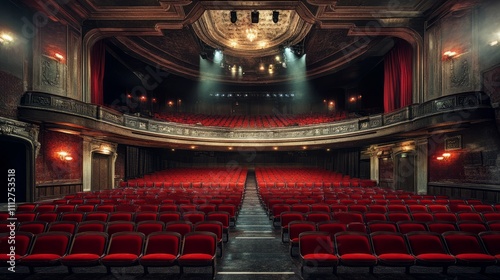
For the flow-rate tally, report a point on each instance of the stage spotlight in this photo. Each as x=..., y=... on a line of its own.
x=255, y=17
x=276, y=16
x=234, y=17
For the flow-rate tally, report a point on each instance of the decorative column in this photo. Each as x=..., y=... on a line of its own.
x=374, y=168
x=421, y=163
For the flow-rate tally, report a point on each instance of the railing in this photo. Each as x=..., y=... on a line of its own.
x=459, y=104
x=56, y=189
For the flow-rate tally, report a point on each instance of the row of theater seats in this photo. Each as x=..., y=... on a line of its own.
x=164, y=216
x=356, y=249
x=121, y=249
x=259, y=121
x=146, y=227
x=348, y=217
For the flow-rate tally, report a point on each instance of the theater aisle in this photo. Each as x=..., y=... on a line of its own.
x=255, y=250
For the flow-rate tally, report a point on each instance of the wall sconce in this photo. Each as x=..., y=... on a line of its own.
x=444, y=156
x=64, y=156
x=59, y=57
x=6, y=39
x=449, y=55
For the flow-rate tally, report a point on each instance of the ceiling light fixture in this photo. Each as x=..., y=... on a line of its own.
x=276, y=16
x=251, y=34
x=255, y=17
x=234, y=17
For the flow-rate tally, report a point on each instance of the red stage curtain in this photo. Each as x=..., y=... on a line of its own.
x=398, y=73
x=97, y=65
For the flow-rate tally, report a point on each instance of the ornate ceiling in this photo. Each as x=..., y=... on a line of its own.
x=171, y=34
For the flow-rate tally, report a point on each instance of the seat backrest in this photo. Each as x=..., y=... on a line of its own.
x=289, y=216
x=165, y=242
x=72, y=216
x=181, y=227
x=349, y=242
x=422, y=216
x=89, y=243
x=169, y=216
x=193, y=216
x=201, y=242
x=66, y=226
x=348, y=217
x=409, y=226
x=472, y=226
x=398, y=216
x=119, y=226
x=491, y=241
x=99, y=226
x=34, y=227
x=148, y=227
x=210, y=226
x=23, y=243
x=295, y=228
x=426, y=243
x=145, y=216
x=332, y=227
x=121, y=216
x=220, y=216
x=126, y=242
x=51, y=243
x=459, y=242
x=441, y=227
x=315, y=242
x=382, y=226
x=389, y=242
x=97, y=216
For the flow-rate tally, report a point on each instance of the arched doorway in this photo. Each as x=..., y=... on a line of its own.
x=405, y=171
x=17, y=161
x=101, y=171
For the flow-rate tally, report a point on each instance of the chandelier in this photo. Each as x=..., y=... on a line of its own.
x=251, y=34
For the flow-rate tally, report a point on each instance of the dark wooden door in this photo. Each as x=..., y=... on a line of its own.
x=405, y=172
x=100, y=172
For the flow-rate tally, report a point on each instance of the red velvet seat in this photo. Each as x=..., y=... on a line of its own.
x=295, y=228
x=391, y=250
x=422, y=217
x=85, y=208
x=222, y=217
x=468, y=249
x=149, y=227
x=181, y=227
x=98, y=226
x=318, y=216
x=398, y=216
x=332, y=227
x=441, y=227
x=162, y=250
x=316, y=249
x=472, y=226
x=25, y=216
x=86, y=250
x=193, y=216
x=121, y=216
x=354, y=249
x=374, y=216
x=64, y=226
x=430, y=250
x=47, y=249
x=405, y=227
x=215, y=227
x=445, y=217
x=386, y=226
x=119, y=226
x=124, y=249
x=198, y=250
x=348, y=217
x=34, y=227
x=286, y=218
x=72, y=216
x=26, y=207
x=23, y=245
x=97, y=216
x=42, y=208
x=491, y=241
x=470, y=216
x=65, y=208
x=145, y=216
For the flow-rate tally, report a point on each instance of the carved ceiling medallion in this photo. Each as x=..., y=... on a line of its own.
x=244, y=38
